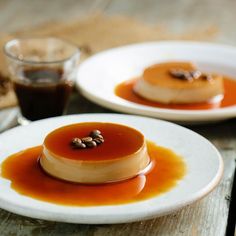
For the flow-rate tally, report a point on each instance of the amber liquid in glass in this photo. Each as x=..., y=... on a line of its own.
x=43, y=93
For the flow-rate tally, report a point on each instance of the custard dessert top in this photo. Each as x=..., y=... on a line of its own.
x=119, y=141
x=159, y=75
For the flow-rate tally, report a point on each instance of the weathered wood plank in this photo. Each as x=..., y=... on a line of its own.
x=22, y=14
x=183, y=16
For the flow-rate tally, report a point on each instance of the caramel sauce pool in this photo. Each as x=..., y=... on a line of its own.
x=125, y=90
x=27, y=178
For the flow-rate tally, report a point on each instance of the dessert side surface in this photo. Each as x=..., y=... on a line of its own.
x=122, y=154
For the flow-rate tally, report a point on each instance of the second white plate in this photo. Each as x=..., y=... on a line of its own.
x=99, y=75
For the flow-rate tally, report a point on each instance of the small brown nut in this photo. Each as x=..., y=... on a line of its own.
x=76, y=140
x=195, y=74
x=178, y=73
x=99, y=140
x=86, y=139
x=188, y=77
x=181, y=74
x=99, y=136
x=79, y=145
x=207, y=77
x=94, y=133
x=91, y=144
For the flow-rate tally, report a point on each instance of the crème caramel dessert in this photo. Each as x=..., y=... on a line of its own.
x=178, y=83
x=94, y=152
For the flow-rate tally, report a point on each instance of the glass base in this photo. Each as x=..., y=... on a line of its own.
x=22, y=120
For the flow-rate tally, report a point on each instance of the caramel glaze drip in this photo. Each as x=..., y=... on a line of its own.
x=28, y=179
x=125, y=91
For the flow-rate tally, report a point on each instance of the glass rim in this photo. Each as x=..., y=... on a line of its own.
x=16, y=58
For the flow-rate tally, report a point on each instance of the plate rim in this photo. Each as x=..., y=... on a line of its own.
x=119, y=218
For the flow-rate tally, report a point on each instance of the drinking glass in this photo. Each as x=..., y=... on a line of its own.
x=42, y=71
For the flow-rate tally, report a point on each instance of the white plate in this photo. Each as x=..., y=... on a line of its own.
x=98, y=76
x=203, y=162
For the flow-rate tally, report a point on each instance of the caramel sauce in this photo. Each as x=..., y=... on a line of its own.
x=119, y=141
x=125, y=90
x=27, y=178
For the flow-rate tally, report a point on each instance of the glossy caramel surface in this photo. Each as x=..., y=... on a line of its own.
x=120, y=141
x=27, y=178
x=159, y=75
x=125, y=90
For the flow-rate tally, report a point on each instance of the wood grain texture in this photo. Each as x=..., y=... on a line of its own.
x=212, y=17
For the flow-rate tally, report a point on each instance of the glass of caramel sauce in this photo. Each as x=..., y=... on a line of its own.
x=42, y=71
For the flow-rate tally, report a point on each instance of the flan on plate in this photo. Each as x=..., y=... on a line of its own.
x=158, y=84
x=122, y=155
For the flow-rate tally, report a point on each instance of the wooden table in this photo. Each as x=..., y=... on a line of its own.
x=213, y=215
